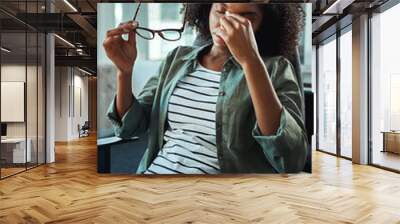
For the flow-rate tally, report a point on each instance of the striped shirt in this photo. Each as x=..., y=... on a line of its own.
x=190, y=146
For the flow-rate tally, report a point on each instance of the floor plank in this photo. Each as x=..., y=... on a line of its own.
x=70, y=191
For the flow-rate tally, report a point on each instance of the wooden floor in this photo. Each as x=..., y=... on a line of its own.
x=70, y=191
x=10, y=171
x=5, y=172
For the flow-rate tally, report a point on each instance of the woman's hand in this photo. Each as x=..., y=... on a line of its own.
x=121, y=52
x=238, y=35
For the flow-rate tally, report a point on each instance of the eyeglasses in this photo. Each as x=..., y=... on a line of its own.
x=166, y=34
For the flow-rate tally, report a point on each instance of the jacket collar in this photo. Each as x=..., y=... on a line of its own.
x=193, y=55
x=197, y=51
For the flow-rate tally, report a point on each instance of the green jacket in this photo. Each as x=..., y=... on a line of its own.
x=241, y=148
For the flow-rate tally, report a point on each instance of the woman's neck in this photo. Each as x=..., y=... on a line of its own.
x=215, y=58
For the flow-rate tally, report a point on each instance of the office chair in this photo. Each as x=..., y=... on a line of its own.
x=84, y=129
x=123, y=156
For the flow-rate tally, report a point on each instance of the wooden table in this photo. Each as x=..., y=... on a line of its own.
x=391, y=141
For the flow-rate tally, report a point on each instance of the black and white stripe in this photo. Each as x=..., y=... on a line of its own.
x=190, y=146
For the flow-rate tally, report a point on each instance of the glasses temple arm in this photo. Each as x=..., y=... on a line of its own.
x=184, y=16
x=137, y=11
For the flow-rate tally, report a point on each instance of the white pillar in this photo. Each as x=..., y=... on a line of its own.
x=50, y=99
x=360, y=90
x=50, y=93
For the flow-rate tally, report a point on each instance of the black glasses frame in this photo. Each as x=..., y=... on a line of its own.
x=160, y=32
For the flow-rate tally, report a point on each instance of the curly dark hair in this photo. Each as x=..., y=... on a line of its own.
x=278, y=33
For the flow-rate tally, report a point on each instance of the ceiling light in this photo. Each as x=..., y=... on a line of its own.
x=65, y=41
x=70, y=5
x=5, y=50
x=329, y=9
x=84, y=71
x=337, y=7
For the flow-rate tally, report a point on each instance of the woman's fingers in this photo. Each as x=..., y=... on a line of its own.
x=222, y=33
x=132, y=38
x=123, y=28
x=227, y=25
x=116, y=31
x=235, y=23
x=120, y=51
x=110, y=43
x=114, y=36
x=239, y=18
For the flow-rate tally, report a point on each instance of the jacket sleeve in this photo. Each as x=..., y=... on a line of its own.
x=137, y=118
x=286, y=150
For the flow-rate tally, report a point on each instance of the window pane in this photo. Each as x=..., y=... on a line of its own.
x=346, y=94
x=327, y=97
x=385, y=84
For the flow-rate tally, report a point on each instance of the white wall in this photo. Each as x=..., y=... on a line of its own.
x=61, y=103
x=67, y=115
x=12, y=73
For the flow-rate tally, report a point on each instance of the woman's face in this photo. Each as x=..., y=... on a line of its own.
x=251, y=11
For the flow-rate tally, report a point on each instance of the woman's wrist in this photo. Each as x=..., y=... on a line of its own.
x=124, y=73
x=124, y=80
x=253, y=63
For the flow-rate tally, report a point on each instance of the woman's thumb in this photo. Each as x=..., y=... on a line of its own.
x=132, y=33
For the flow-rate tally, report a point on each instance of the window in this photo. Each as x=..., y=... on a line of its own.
x=385, y=88
x=329, y=111
x=327, y=96
x=166, y=15
x=346, y=94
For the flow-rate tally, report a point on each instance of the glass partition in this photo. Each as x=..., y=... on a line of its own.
x=31, y=98
x=22, y=77
x=15, y=152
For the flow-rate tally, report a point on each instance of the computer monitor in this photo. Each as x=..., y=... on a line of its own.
x=3, y=129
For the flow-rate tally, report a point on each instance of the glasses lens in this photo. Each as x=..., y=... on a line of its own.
x=146, y=34
x=170, y=35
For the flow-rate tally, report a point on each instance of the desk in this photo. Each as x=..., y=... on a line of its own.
x=13, y=150
x=391, y=141
x=115, y=155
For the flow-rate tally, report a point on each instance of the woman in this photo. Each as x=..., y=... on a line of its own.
x=232, y=105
